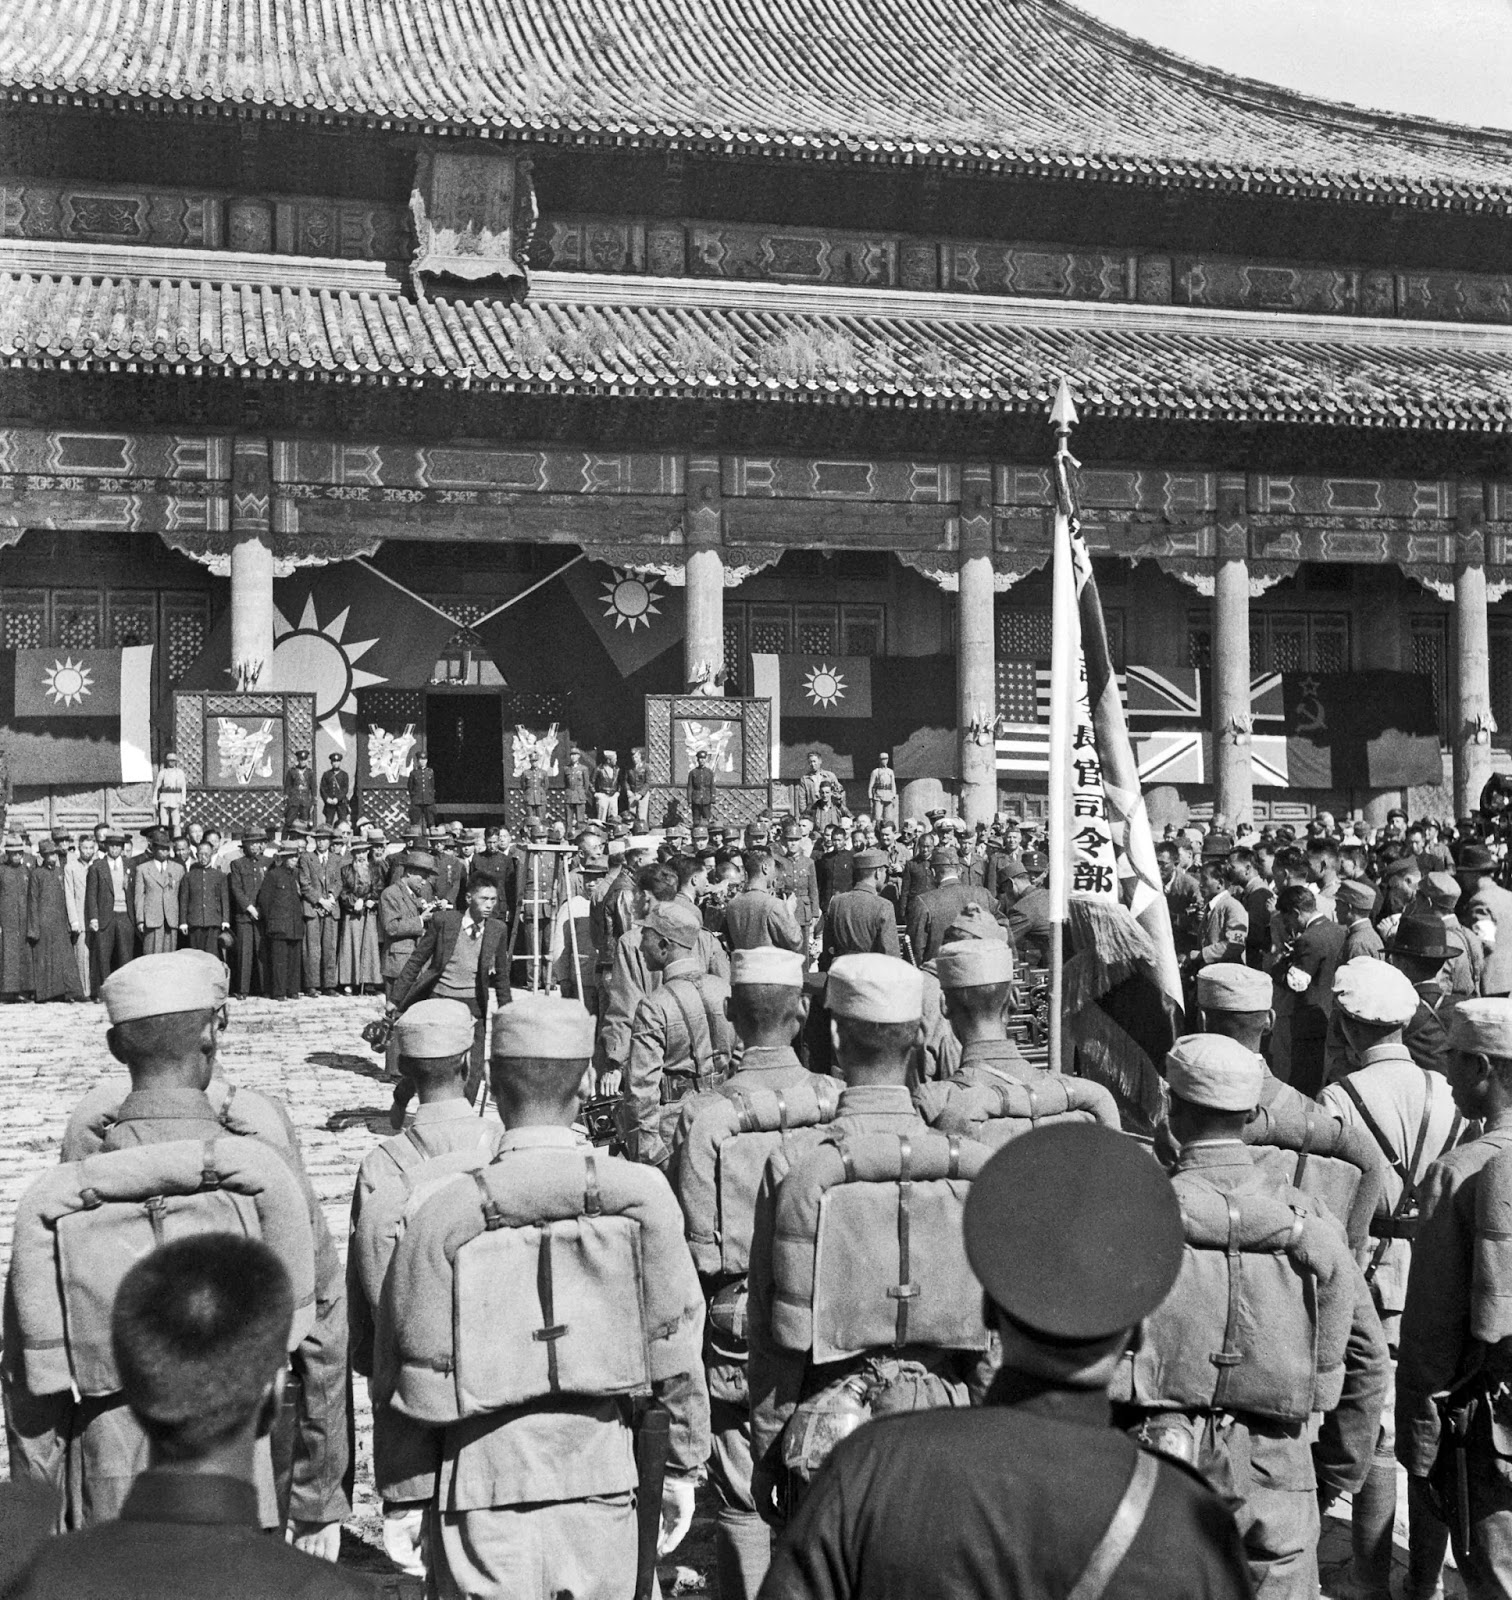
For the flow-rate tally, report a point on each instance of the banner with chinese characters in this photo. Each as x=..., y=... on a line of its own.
x=1094, y=870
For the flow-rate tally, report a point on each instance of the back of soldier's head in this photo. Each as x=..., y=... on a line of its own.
x=875, y=1004
x=541, y=1049
x=766, y=995
x=200, y=1329
x=434, y=1039
x=165, y=1016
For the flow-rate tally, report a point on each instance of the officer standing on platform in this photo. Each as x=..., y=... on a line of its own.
x=1451, y=1384
x=701, y=789
x=533, y=789
x=421, y=786
x=299, y=792
x=336, y=792
x=1076, y=1237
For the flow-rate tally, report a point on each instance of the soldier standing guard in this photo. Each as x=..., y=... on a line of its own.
x=508, y=1423
x=577, y=784
x=701, y=789
x=299, y=792
x=882, y=790
x=421, y=787
x=336, y=792
x=169, y=791
x=533, y=789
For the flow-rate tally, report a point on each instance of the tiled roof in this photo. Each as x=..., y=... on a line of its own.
x=640, y=337
x=1025, y=85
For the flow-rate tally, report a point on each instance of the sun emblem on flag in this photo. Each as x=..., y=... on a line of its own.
x=66, y=682
x=318, y=659
x=825, y=686
x=630, y=598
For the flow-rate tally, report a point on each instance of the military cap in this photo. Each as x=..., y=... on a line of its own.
x=944, y=855
x=936, y=814
x=677, y=922
x=1217, y=847
x=1399, y=868
x=974, y=964
x=115, y=836
x=289, y=850
x=301, y=755
x=792, y=829
x=1422, y=936
x=1482, y=1027
x=1441, y=891
x=156, y=837
x=46, y=846
x=254, y=836
x=434, y=1028
x=159, y=985
x=1228, y=986
x=975, y=922
x=62, y=836
x=872, y=988
x=418, y=861
x=782, y=969
x=1074, y=1232
x=1356, y=894
x=335, y=758
x=1476, y=858
x=1034, y=862
x=611, y=755
x=548, y=1027
x=1215, y=1072
x=1375, y=992
x=870, y=860
x=640, y=841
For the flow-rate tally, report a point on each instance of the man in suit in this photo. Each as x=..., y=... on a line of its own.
x=336, y=792
x=931, y=913
x=155, y=904
x=243, y=879
x=109, y=898
x=449, y=869
x=421, y=785
x=461, y=956
x=1304, y=985
x=758, y=917
x=320, y=889
x=1486, y=910
x=204, y=903
x=860, y=921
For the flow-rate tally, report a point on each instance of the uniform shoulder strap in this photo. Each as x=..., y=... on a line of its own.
x=1128, y=1519
x=1402, y=1170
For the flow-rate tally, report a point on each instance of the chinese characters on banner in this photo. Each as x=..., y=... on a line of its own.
x=1094, y=870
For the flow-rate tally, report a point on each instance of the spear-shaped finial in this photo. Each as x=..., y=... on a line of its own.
x=1063, y=412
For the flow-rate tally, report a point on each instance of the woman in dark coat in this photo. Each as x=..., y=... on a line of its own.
x=55, y=968
x=15, y=952
x=282, y=916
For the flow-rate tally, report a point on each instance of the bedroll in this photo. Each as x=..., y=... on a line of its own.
x=995, y=1112
x=869, y=1254
x=1326, y=1159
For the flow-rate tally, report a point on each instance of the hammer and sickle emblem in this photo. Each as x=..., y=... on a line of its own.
x=1311, y=717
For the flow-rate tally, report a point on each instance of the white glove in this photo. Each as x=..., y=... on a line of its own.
x=404, y=1539
x=1484, y=928
x=676, y=1514
x=1297, y=980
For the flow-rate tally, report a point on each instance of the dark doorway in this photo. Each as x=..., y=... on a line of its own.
x=464, y=739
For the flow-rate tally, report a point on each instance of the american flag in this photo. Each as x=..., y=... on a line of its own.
x=1023, y=736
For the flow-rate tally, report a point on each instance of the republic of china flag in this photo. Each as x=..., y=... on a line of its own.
x=77, y=716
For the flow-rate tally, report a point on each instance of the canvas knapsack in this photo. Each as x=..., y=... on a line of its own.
x=722, y=1153
x=868, y=1251
x=1326, y=1159
x=1001, y=1108
x=1259, y=1316
x=80, y=1227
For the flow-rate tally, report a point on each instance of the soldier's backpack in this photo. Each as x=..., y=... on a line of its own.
x=1327, y=1159
x=80, y=1227
x=545, y=1289
x=239, y=1111
x=722, y=1152
x=1260, y=1314
x=710, y=1039
x=406, y=1169
x=1001, y=1108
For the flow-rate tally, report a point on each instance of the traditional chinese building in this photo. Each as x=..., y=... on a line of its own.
x=800, y=283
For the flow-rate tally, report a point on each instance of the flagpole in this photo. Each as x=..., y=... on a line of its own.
x=1063, y=674
x=409, y=594
x=540, y=583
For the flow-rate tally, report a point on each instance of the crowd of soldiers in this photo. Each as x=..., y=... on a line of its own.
x=767, y=1195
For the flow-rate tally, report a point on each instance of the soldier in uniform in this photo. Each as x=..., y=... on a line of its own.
x=757, y=916
x=1235, y=1001
x=976, y=981
x=336, y=792
x=930, y=914
x=577, y=787
x=533, y=1492
x=421, y=787
x=701, y=788
x=680, y=1037
x=1354, y=900
x=450, y=873
x=767, y=1009
x=1486, y=910
x=244, y=878
x=1419, y=948
x=1409, y=1113
x=299, y=792
x=1451, y=1383
x=1438, y=895
x=796, y=877
x=859, y=921
x=533, y=789
x=200, y=1328
x=1076, y=1237
x=1262, y=1446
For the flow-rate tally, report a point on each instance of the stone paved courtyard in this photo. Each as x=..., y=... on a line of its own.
x=309, y=1053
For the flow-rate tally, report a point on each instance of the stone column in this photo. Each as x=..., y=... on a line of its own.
x=1472, y=655
x=703, y=646
x=976, y=648
x=1233, y=778
x=251, y=565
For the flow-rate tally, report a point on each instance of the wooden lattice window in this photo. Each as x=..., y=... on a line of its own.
x=130, y=618
x=1430, y=656
x=186, y=626
x=23, y=619
x=863, y=630
x=771, y=629
x=817, y=629
x=1024, y=635
x=76, y=619
x=734, y=650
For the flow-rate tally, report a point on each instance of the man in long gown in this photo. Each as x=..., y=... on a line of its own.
x=55, y=972
x=15, y=952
